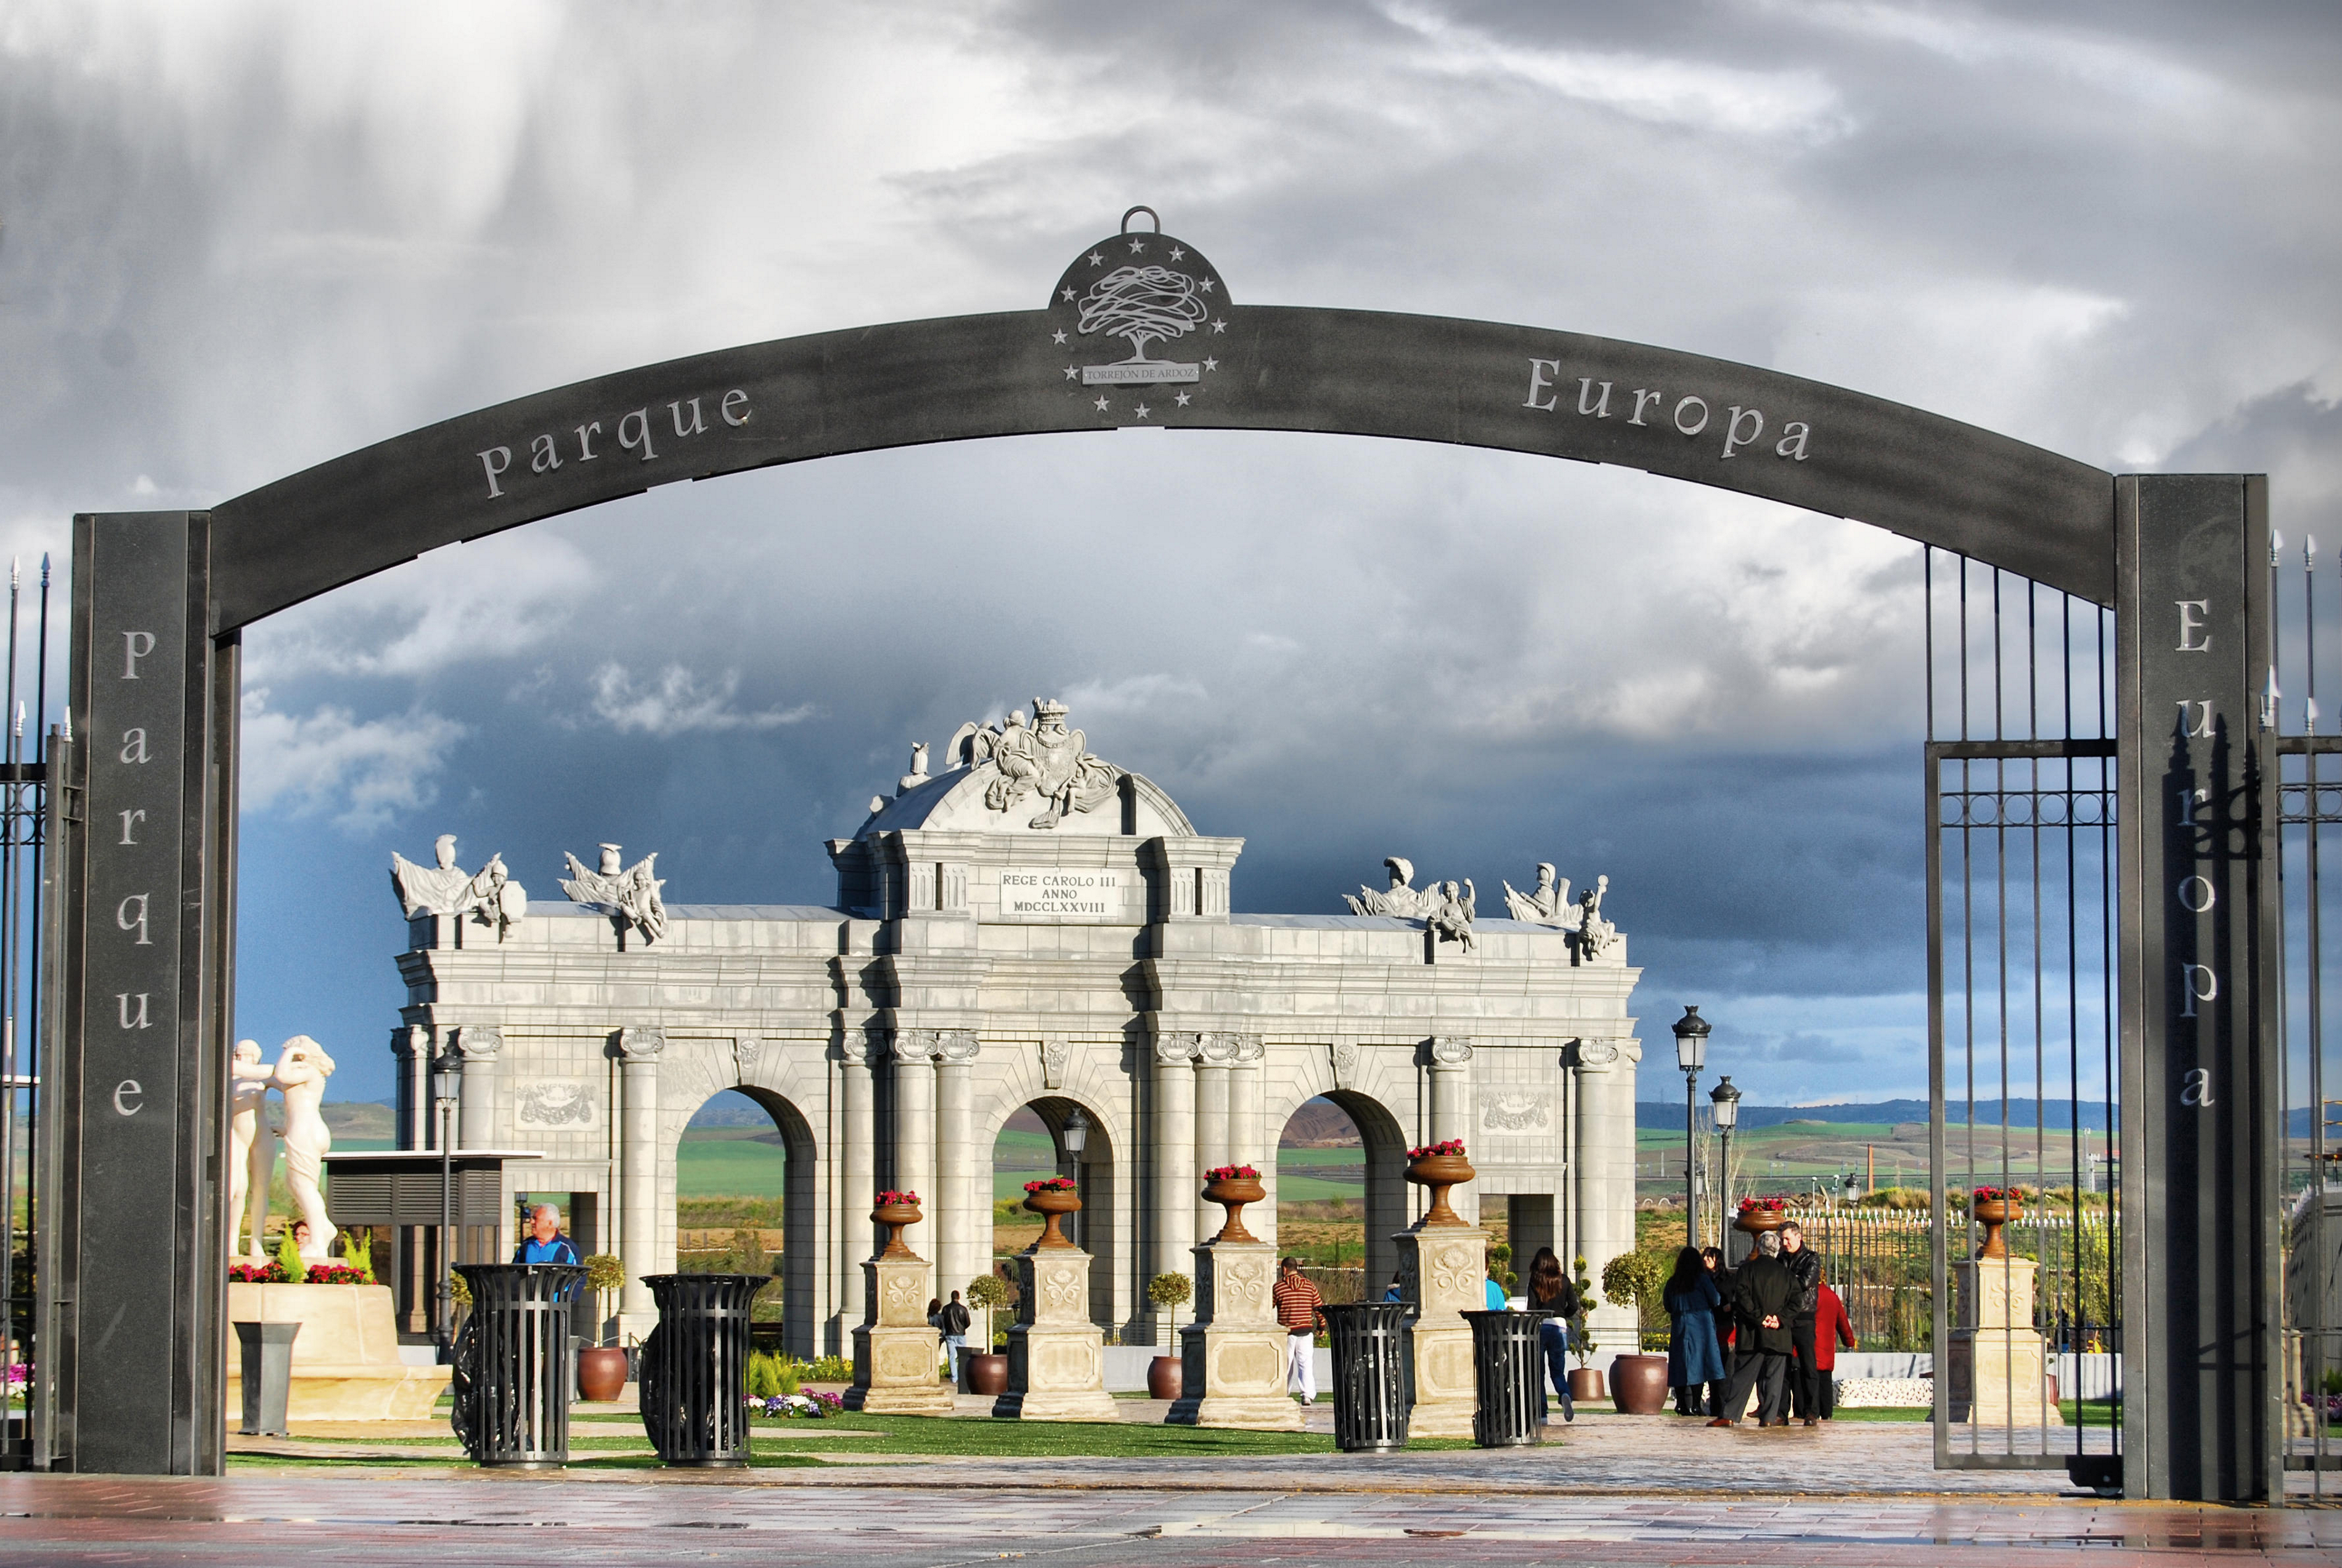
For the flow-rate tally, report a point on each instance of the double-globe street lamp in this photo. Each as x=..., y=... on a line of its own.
x=1691, y=1055
x=1726, y=1099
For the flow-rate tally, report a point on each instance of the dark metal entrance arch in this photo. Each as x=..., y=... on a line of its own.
x=131, y=1330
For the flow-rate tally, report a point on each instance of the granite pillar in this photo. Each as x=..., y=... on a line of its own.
x=963, y=1242
x=857, y=1173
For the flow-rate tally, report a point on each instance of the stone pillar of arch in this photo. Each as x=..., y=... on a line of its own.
x=1215, y=1064
x=963, y=1214
x=1451, y=1111
x=1604, y=1226
x=480, y=1048
x=1172, y=1141
x=858, y=1174
x=915, y=1050
x=638, y=1051
x=1248, y=1142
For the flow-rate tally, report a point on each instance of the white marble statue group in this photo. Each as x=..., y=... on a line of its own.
x=628, y=895
x=299, y=1074
x=1449, y=911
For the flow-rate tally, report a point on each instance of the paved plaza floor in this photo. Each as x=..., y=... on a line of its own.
x=1608, y=1489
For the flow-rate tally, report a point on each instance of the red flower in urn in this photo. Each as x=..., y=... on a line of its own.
x=1053, y=1199
x=898, y=1212
x=1760, y=1214
x=1994, y=1207
x=1232, y=1187
x=1439, y=1167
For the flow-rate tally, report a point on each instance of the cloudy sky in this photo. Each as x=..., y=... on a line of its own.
x=238, y=239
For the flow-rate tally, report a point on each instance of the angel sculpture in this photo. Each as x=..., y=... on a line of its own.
x=1451, y=917
x=629, y=897
x=492, y=898
x=1597, y=937
x=1400, y=898
x=1547, y=904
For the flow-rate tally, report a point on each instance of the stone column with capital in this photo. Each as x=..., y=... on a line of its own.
x=1215, y=1061
x=1174, y=1150
x=1605, y=1188
x=915, y=1050
x=638, y=1051
x=1250, y=1142
x=1451, y=1111
x=1999, y=1362
x=479, y=1047
x=857, y=1171
x=963, y=1236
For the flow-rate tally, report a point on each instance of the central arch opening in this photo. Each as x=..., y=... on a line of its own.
x=743, y=1203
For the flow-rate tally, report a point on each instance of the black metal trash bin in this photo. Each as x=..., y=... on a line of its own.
x=267, y=1351
x=1370, y=1375
x=514, y=1371
x=1507, y=1378
x=693, y=1382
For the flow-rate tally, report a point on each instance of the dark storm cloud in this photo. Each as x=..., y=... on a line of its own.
x=235, y=242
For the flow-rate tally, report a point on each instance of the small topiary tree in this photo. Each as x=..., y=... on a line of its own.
x=1173, y=1292
x=603, y=1274
x=1635, y=1279
x=989, y=1292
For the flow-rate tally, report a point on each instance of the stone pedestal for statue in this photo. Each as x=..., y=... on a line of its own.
x=896, y=1350
x=346, y=1360
x=1057, y=1356
x=1998, y=1364
x=1443, y=1270
x=1233, y=1355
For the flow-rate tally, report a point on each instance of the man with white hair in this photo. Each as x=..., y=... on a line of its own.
x=545, y=1244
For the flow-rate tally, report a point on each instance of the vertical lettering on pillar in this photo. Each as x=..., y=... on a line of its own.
x=2198, y=986
x=131, y=1380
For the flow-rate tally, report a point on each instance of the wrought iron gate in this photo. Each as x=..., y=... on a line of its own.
x=2022, y=969
x=26, y=830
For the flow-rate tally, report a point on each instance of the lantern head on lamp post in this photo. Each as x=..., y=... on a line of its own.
x=1726, y=1101
x=1076, y=1134
x=1691, y=1055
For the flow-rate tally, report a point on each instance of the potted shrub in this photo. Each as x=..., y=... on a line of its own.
x=1165, y=1375
x=1639, y=1383
x=1585, y=1383
x=602, y=1368
x=988, y=1373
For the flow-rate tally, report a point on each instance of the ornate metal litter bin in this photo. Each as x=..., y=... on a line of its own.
x=1371, y=1375
x=513, y=1367
x=693, y=1377
x=1508, y=1377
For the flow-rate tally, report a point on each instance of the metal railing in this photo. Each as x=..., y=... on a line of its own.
x=23, y=838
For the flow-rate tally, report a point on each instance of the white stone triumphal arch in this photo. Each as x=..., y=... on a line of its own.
x=1029, y=924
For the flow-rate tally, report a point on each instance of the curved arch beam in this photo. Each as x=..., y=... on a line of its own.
x=1263, y=367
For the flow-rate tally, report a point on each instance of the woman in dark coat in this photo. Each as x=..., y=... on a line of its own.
x=1714, y=1258
x=1549, y=1291
x=1694, y=1358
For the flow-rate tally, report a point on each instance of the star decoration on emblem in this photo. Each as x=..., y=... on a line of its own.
x=1137, y=245
x=1205, y=285
x=1178, y=252
x=1058, y=336
x=1097, y=260
x=1068, y=293
x=1071, y=373
x=1182, y=397
x=1143, y=411
x=1101, y=405
x=1210, y=364
x=1219, y=326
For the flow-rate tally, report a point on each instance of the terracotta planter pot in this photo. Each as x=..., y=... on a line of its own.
x=601, y=1373
x=1992, y=1213
x=897, y=1218
x=1439, y=1173
x=1053, y=1207
x=1232, y=1195
x=1585, y=1384
x=988, y=1374
x=1638, y=1384
x=1757, y=1222
x=1166, y=1378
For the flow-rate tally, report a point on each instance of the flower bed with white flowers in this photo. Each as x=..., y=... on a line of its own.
x=1886, y=1392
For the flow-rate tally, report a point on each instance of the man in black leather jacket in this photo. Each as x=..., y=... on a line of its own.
x=1763, y=1292
x=1805, y=1266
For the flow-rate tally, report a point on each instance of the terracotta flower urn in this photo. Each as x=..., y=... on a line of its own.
x=1439, y=1173
x=988, y=1374
x=601, y=1373
x=1232, y=1194
x=897, y=1218
x=1638, y=1384
x=1053, y=1205
x=1992, y=1213
x=1757, y=1222
x=1166, y=1377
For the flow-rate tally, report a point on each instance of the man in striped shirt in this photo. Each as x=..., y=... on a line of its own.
x=1298, y=1308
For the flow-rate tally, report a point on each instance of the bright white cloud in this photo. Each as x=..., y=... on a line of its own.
x=363, y=771
x=676, y=703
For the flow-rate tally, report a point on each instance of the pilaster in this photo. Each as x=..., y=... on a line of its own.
x=638, y=1051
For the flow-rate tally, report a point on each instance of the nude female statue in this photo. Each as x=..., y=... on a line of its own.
x=302, y=1069
x=252, y=1146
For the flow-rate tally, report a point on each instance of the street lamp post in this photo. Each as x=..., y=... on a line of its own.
x=1076, y=1137
x=443, y=1102
x=1726, y=1099
x=1691, y=1055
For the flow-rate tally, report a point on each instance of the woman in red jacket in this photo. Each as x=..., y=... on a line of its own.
x=1832, y=1328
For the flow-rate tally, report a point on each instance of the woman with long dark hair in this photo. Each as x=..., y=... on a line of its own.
x=1694, y=1359
x=1549, y=1291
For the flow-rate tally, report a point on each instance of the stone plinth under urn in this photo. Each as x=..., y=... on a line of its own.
x=1999, y=1364
x=1234, y=1354
x=1057, y=1356
x=1443, y=1270
x=895, y=1348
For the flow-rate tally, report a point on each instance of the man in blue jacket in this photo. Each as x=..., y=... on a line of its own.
x=545, y=1244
